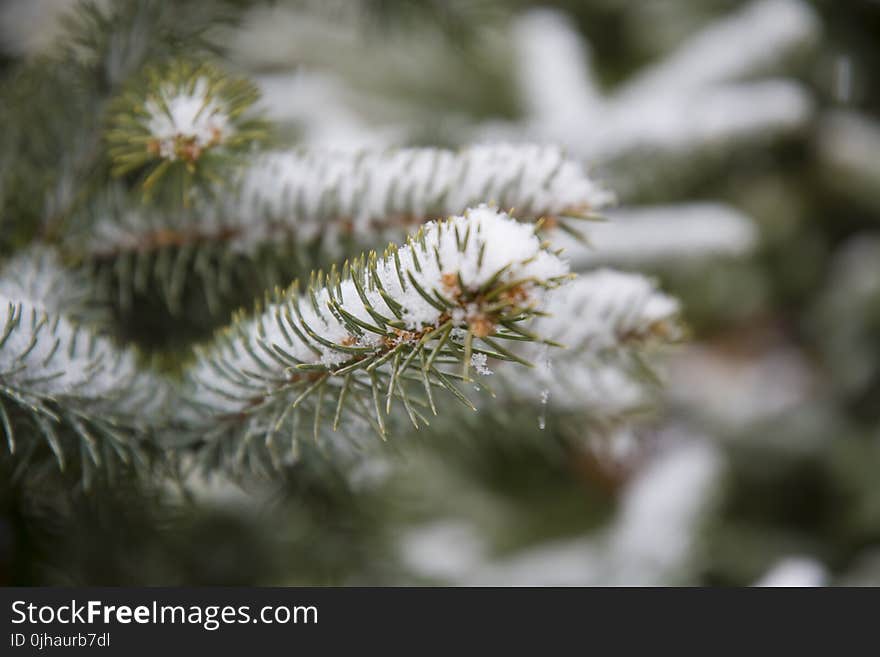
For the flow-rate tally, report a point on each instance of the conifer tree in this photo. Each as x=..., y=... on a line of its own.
x=345, y=286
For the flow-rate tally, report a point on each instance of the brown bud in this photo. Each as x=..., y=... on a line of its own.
x=450, y=284
x=481, y=326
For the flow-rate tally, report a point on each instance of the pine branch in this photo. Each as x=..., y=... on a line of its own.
x=386, y=333
x=294, y=211
x=331, y=194
x=54, y=105
x=589, y=395
x=608, y=322
x=663, y=128
x=607, y=310
x=665, y=236
x=760, y=36
x=179, y=124
x=66, y=388
x=37, y=275
x=360, y=192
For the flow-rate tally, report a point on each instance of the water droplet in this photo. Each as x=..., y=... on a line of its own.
x=542, y=417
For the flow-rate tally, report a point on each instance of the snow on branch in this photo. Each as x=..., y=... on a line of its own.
x=608, y=309
x=60, y=380
x=754, y=40
x=554, y=69
x=700, y=99
x=74, y=388
x=716, y=116
x=605, y=320
x=384, y=329
x=319, y=204
x=365, y=191
x=182, y=119
x=36, y=275
x=330, y=193
x=664, y=234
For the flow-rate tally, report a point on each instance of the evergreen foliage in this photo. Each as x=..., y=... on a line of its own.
x=461, y=293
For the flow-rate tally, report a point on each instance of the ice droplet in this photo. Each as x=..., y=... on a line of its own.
x=542, y=418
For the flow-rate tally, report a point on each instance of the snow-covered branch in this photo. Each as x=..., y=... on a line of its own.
x=331, y=194
x=664, y=234
x=701, y=98
x=365, y=191
x=604, y=320
x=322, y=203
x=385, y=329
x=752, y=41
x=178, y=122
x=74, y=389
